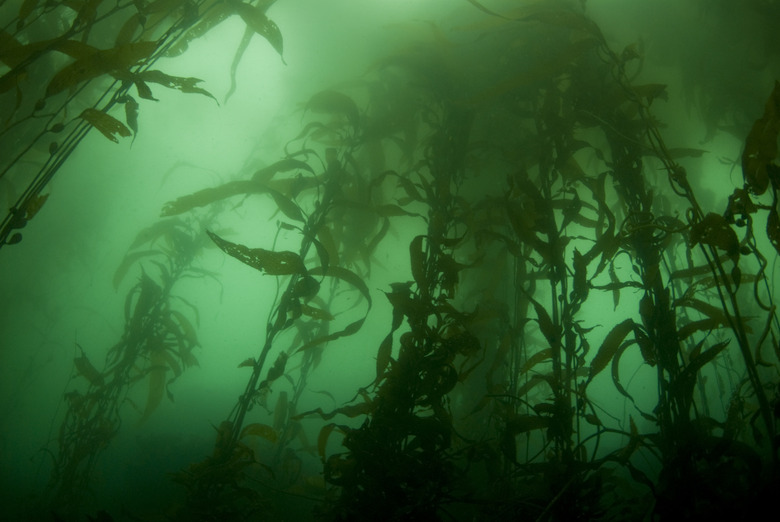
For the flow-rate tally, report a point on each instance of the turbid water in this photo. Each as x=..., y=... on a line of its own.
x=388, y=260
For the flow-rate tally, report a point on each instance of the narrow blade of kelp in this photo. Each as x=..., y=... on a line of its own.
x=383, y=356
x=107, y=125
x=268, y=261
x=417, y=260
x=334, y=102
x=609, y=347
x=131, y=114
x=254, y=17
x=87, y=370
x=185, y=85
x=259, y=430
x=157, y=377
x=322, y=439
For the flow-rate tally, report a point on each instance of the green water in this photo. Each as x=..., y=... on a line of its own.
x=388, y=260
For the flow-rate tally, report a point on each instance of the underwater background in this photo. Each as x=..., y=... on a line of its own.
x=388, y=259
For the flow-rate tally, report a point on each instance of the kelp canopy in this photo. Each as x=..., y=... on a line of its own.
x=491, y=276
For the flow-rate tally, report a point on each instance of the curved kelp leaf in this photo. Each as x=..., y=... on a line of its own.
x=334, y=102
x=259, y=430
x=131, y=114
x=157, y=372
x=128, y=261
x=107, y=125
x=242, y=47
x=186, y=85
x=268, y=261
x=233, y=188
x=609, y=347
x=255, y=18
x=357, y=282
x=98, y=63
x=86, y=369
x=207, y=196
x=687, y=379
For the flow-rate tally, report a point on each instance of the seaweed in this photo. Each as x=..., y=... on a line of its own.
x=555, y=252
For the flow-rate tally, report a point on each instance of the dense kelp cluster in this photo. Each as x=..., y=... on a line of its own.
x=555, y=243
x=155, y=348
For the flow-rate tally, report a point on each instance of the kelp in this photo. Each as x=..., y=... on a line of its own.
x=544, y=269
x=154, y=350
x=310, y=203
x=94, y=77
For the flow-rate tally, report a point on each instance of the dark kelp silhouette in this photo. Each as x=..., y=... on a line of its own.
x=555, y=244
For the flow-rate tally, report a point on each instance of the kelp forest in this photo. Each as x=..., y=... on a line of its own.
x=515, y=261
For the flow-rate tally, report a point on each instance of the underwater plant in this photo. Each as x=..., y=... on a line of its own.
x=571, y=328
x=156, y=347
x=40, y=94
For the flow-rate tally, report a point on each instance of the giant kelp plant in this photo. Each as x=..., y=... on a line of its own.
x=555, y=243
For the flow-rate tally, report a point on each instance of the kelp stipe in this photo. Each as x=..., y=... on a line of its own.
x=550, y=266
x=154, y=350
x=309, y=199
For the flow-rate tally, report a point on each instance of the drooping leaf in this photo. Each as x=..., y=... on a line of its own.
x=277, y=370
x=87, y=370
x=616, y=371
x=107, y=125
x=703, y=325
x=254, y=17
x=186, y=327
x=259, y=430
x=128, y=261
x=265, y=174
x=186, y=85
x=550, y=331
x=210, y=195
x=383, y=356
x=537, y=358
x=334, y=102
x=287, y=206
x=687, y=379
x=242, y=47
x=322, y=439
x=580, y=280
x=417, y=260
x=268, y=261
x=280, y=411
x=144, y=91
x=131, y=114
x=157, y=387
x=609, y=347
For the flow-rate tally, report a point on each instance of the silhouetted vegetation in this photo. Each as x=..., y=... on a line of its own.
x=555, y=244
